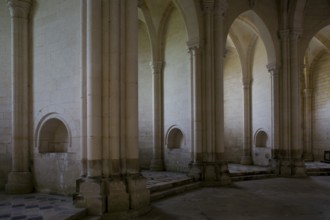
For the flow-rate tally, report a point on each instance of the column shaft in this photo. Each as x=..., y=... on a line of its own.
x=275, y=108
x=114, y=102
x=308, y=154
x=94, y=91
x=296, y=101
x=209, y=80
x=157, y=162
x=20, y=179
x=247, y=115
x=132, y=151
x=219, y=49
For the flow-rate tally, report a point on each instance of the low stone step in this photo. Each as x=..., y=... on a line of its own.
x=318, y=171
x=91, y=218
x=156, y=195
x=250, y=173
x=170, y=184
x=252, y=177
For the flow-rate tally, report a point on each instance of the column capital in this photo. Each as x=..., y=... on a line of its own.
x=193, y=44
x=274, y=69
x=19, y=8
x=156, y=66
x=295, y=34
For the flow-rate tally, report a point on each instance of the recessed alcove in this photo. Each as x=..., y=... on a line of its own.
x=261, y=138
x=53, y=137
x=175, y=138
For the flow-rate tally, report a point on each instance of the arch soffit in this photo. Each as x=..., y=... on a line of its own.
x=308, y=37
x=252, y=19
x=189, y=14
x=245, y=53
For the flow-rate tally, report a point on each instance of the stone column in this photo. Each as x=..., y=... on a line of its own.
x=283, y=166
x=275, y=108
x=91, y=190
x=196, y=93
x=94, y=91
x=247, y=103
x=20, y=178
x=296, y=74
x=209, y=144
x=308, y=153
x=215, y=169
x=157, y=162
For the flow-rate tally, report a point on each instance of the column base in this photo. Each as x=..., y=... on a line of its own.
x=246, y=160
x=91, y=195
x=215, y=174
x=308, y=157
x=290, y=168
x=299, y=169
x=19, y=183
x=118, y=197
x=157, y=165
x=195, y=171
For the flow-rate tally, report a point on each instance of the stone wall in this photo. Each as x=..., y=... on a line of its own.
x=321, y=107
x=145, y=99
x=177, y=92
x=5, y=94
x=261, y=104
x=233, y=106
x=57, y=87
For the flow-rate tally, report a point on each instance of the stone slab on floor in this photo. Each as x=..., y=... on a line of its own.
x=37, y=206
x=268, y=199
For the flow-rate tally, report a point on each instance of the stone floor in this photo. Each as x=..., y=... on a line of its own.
x=268, y=199
x=38, y=206
x=275, y=198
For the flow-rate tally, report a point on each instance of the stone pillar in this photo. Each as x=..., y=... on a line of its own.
x=196, y=93
x=275, y=108
x=247, y=103
x=20, y=178
x=157, y=162
x=296, y=106
x=308, y=154
x=209, y=145
x=284, y=163
x=215, y=169
x=308, y=95
x=91, y=190
x=94, y=91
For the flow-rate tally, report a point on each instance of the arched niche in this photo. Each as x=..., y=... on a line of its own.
x=175, y=138
x=53, y=136
x=261, y=138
